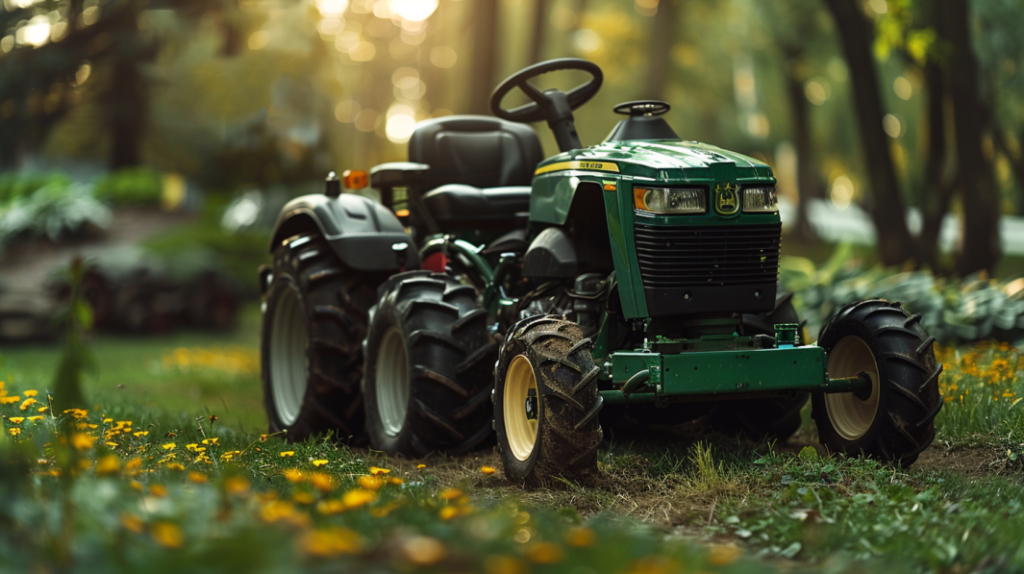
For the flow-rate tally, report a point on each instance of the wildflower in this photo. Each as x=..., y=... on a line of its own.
x=105, y=421
x=279, y=511
x=327, y=507
x=141, y=434
x=131, y=522
x=169, y=446
x=197, y=477
x=192, y=447
x=41, y=410
x=133, y=465
x=82, y=441
x=170, y=434
x=27, y=403
x=395, y=480
x=330, y=542
x=34, y=419
x=263, y=438
x=31, y=394
x=303, y=498
x=580, y=537
x=176, y=466
x=375, y=471
x=135, y=485
x=10, y=400
x=370, y=482
x=545, y=553
x=109, y=464
x=287, y=453
x=448, y=512
x=237, y=486
x=319, y=463
x=321, y=481
x=158, y=490
x=167, y=534
x=294, y=475
x=420, y=466
x=14, y=431
x=723, y=554
x=112, y=444
x=213, y=419
x=487, y=469
x=451, y=493
x=209, y=441
x=16, y=420
x=358, y=497
x=383, y=511
x=423, y=550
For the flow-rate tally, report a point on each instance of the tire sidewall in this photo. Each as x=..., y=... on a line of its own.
x=866, y=444
x=282, y=281
x=516, y=470
x=383, y=318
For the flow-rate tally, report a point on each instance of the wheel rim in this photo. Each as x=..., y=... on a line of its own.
x=288, y=343
x=392, y=382
x=852, y=416
x=520, y=427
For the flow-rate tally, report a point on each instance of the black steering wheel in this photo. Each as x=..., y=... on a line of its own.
x=642, y=108
x=544, y=105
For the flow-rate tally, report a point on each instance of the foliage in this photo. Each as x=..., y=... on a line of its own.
x=951, y=310
x=207, y=245
x=47, y=205
x=130, y=186
x=76, y=319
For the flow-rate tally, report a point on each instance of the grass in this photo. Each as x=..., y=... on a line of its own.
x=679, y=499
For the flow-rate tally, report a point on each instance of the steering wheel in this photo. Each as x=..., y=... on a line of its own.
x=642, y=108
x=545, y=105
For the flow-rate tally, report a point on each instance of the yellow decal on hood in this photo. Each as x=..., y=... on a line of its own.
x=587, y=165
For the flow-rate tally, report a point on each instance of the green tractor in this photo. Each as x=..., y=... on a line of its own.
x=491, y=291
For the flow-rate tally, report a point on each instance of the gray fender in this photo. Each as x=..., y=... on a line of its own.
x=363, y=233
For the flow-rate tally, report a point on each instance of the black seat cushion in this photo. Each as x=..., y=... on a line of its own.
x=457, y=206
x=476, y=150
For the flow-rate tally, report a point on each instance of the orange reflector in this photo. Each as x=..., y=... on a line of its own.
x=609, y=187
x=354, y=179
x=402, y=213
x=638, y=198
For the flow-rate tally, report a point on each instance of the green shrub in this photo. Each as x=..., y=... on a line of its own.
x=130, y=186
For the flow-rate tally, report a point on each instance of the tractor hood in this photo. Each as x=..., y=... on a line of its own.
x=663, y=160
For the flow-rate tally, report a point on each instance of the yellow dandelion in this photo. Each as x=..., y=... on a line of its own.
x=451, y=494
x=294, y=475
x=35, y=419
x=448, y=512
x=141, y=434
x=135, y=485
x=16, y=420
x=192, y=447
x=545, y=553
x=133, y=465
x=209, y=441
x=330, y=542
x=420, y=466
x=319, y=463
x=197, y=477
x=175, y=466
x=31, y=393
x=237, y=486
x=287, y=453
x=321, y=481
x=132, y=522
x=109, y=464
x=375, y=471
x=169, y=446
x=41, y=410
x=358, y=497
x=9, y=400
x=303, y=498
x=167, y=534
x=327, y=507
x=82, y=441
x=14, y=431
x=487, y=470
x=395, y=480
x=370, y=482
x=723, y=554
x=580, y=537
x=423, y=550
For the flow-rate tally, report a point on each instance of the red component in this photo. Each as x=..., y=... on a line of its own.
x=436, y=262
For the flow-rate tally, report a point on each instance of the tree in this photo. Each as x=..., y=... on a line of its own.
x=663, y=36
x=485, y=55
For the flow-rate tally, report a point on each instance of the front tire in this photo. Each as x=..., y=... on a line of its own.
x=429, y=357
x=310, y=349
x=547, y=403
x=895, y=421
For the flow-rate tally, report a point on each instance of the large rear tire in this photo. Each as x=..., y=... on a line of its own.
x=895, y=421
x=547, y=403
x=313, y=323
x=429, y=359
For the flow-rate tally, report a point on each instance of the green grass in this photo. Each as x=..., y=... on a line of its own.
x=130, y=370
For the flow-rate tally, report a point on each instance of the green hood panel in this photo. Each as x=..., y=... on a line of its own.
x=674, y=160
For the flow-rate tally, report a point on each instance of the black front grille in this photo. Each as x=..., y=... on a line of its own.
x=677, y=257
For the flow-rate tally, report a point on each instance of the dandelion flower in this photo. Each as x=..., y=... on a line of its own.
x=374, y=470
x=487, y=469
x=197, y=477
x=167, y=534
x=176, y=466
x=131, y=522
x=448, y=512
x=237, y=486
x=420, y=466
x=109, y=464
x=287, y=453
x=169, y=446
x=31, y=394
x=294, y=475
x=321, y=482
x=330, y=542
x=16, y=420
x=580, y=537
x=10, y=400
x=140, y=434
x=14, y=431
x=82, y=441
x=451, y=493
x=319, y=463
x=358, y=497
x=34, y=419
x=209, y=441
x=370, y=482
x=158, y=490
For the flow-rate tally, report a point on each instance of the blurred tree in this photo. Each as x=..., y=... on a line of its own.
x=541, y=14
x=485, y=55
x=664, y=35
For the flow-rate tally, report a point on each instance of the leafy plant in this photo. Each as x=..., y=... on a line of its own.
x=130, y=186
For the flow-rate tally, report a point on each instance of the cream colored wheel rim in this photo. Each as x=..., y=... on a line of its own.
x=520, y=429
x=850, y=415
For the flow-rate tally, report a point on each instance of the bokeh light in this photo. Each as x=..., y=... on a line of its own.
x=331, y=8
x=413, y=10
x=842, y=192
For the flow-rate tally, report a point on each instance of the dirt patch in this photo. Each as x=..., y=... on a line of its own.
x=975, y=461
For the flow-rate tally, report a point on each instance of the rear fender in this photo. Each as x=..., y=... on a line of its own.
x=364, y=234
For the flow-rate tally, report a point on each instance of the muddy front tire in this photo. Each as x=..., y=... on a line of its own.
x=547, y=403
x=311, y=357
x=895, y=421
x=429, y=359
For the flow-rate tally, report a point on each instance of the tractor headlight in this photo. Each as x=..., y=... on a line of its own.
x=761, y=199
x=670, y=200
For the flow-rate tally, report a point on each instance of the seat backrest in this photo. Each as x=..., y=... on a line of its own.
x=476, y=150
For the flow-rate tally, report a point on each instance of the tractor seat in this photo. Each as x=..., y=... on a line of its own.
x=480, y=170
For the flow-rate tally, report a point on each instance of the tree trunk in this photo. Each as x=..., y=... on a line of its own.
x=977, y=182
x=126, y=113
x=937, y=191
x=540, y=26
x=485, y=55
x=663, y=37
x=806, y=176
x=886, y=208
